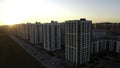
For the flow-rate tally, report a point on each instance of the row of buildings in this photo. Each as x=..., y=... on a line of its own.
x=47, y=36
x=111, y=27
x=79, y=38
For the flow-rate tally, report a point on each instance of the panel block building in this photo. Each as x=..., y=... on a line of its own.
x=35, y=33
x=77, y=41
x=52, y=36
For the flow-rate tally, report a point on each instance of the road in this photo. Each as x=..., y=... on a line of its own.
x=40, y=55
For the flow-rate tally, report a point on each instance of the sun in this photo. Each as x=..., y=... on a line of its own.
x=6, y=22
x=9, y=23
x=10, y=20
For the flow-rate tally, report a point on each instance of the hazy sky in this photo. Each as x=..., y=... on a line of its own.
x=22, y=11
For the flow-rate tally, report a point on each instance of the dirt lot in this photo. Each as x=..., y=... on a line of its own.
x=13, y=56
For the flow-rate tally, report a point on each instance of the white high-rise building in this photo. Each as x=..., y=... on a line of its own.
x=77, y=41
x=52, y=36
x=35, y=33
x=38, y=33
x=32, y=33
x=26, y=32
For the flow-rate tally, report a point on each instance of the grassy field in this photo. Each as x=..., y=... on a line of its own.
x=13, y=56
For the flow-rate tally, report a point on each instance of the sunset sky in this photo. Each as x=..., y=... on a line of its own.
x=23, y=11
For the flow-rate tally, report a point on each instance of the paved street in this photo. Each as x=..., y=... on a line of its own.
x=44, y=58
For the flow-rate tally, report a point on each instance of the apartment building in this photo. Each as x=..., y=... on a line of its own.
x=77, y=40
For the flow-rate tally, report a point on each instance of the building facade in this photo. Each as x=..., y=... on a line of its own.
x=52, y=36
x=77, y=41
x=35, y=33
x=107, y=44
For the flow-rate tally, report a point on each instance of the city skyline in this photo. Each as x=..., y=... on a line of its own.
x=70, y=44
x=23, y=11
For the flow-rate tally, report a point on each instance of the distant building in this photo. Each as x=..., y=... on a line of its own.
x=77, y=41
x=32, y=33
x=98, y=43
x=98, y=33
x=105, y=44
x=38, y=32
x=26, y=28
x=109, y=27
x=105, y=37
x=62, y=34
x=98, y=46
x=52, y=36
x=114, y=44
x=35, y=33
x=24, y=31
